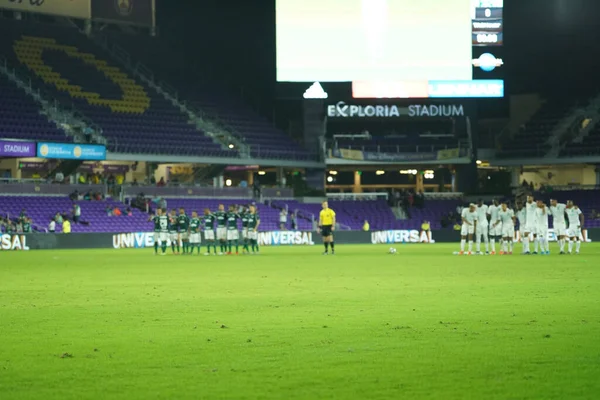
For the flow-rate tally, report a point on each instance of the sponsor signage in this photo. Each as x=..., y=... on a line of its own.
x=402, y=236
x=343, y=110
x=138, y=240
x=584, y=237
x=358, y=155
x=66, y=8
x=67, y=151
x=137, y=12
x=13, y=242
x=467, y=89
x=285, y=238
x=17, y=149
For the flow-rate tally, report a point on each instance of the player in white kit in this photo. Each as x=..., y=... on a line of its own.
x=530, y=224
x=495, y=225
x=467, y=230
x=507, y=218
x=541, y=228
x=575, y=217
x=557, y=210
x=482, y=227
x=522, y=221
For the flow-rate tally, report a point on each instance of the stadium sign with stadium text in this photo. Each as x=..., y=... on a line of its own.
x=343, y=110
x=17, y=149
x=64, y=8
x=13, y=242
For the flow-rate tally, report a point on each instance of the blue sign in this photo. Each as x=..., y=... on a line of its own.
x=68, y=151
x=464, y=89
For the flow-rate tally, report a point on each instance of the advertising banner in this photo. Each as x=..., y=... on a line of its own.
x=17, y=149
x=137, y=12
x=343, y=110
x=67, y=151
x=65, y=8
x=13, y=242
x=401, y=236
x=358, y=155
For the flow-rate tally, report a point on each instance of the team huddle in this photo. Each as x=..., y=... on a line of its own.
x=496, y=224
x=184, y=233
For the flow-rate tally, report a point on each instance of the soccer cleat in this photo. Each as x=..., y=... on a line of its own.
x=237, y=254
x=561, y=253
x=535, y=253
x=469, y=253
x=500, y=252
x=207, y=254
x=325, y=253
x=220, y=253
x=577, y=252
x=510, y=253
x=462, y=253
x=493, y=253
x=333, y=252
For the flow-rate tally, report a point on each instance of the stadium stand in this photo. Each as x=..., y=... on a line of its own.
x=133, y=117
x=589, y=146
x=263, y=138
x=20, y=116
x=532, y=139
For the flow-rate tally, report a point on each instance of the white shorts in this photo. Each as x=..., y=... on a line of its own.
x=184, y=235
x=252, y=235
x=481, y=229
x=560, y=229
x=233, y=234
x=174, y=236
x=467, y=230
x=574, y=232
x=209, y=235
x=195, y=237
x=221, y=233
x=508, y=231
x=160, y=237
x=530, y=229
x=542, y=231
x=244, y=233
x=496, y=230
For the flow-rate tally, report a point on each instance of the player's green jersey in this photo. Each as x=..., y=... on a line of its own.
x=161, y=223
x=183, y=222
x=26, y=227
x=244, y=219
x=209, y=222
x=173, y=223
x=232, y=220
x=253, y=220
x=221, y=217
x=195, y=225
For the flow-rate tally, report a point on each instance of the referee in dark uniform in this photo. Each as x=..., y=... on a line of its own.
x=327, y=226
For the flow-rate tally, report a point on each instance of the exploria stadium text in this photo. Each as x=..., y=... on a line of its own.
x=343, y=110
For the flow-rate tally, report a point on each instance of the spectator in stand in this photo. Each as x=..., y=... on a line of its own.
x=27, y=225
x=129, y=212
x=76, y=213
x=66, y=226
x=120, y=179
x=109, y=211
x=23, y=215
x=59, y=177
x=161, y=182
x=58, y=218
x=256, y=189
x=7, y=174
x=152, y=180
x=19, y=228
x=294, y=221
x=52, y=226
x=283, y=220
x=135, y=182
x=117, y=212
x=82, y=180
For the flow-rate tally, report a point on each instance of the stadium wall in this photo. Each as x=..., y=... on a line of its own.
x=41, y=241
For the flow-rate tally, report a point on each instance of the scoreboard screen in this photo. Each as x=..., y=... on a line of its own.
x=390, y=48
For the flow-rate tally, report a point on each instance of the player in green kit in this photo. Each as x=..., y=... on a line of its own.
x=183, y=225
x=253, y=224
x=26, y=225
x=244, y=216
x=194, y=233
x=233, y=235
x=161, y=231
x=173, y=236
x=209, y=231
x=221, y=217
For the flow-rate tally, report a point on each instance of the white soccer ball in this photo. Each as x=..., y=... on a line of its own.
x=392, y=250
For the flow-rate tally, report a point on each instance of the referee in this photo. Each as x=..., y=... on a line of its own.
x=327, y=226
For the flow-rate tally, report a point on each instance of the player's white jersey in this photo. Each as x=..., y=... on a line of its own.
x=506, y=217
x=573, y=214
x=530, y=215
x=482, y=211
x=541, y=217
x=469, y=216
x=558, y=214
x=493, y=213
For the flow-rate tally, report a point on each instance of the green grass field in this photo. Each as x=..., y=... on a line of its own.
x=290, y=323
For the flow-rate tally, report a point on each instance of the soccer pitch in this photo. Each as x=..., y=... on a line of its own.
x=291, y=323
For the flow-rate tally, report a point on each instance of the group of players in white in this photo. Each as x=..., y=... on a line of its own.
x=495, y=224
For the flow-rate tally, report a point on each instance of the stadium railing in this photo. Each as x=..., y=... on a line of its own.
x=357, y=196
x=39, y=187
